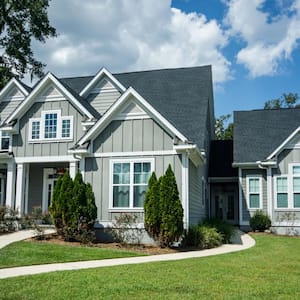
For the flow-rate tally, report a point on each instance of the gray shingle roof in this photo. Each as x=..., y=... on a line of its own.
x=258, y=133
x=180, y=95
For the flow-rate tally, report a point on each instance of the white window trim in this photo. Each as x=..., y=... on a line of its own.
x=291, y=187
x=58, y=137
x=275, y=191
x=9, y=145
x=248, y=177
x=131, y=161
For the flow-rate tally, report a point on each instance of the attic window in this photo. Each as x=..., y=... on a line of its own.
x=51, y=126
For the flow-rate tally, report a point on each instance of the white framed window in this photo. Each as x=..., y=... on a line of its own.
x=296, y=186
x=5, y=140
x=254, y=192
x=129, y=183
x=281, y=192
x=50, y=126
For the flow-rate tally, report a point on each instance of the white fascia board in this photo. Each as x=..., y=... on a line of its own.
x=193, y=151
x=10, y=84
x=106, y=73
x=244, y=165
x=284, y=143
x=108, y=116
x=37, y=89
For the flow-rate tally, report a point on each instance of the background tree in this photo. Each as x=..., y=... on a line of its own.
x=221, y=131
x=285, y=101
x=20, y=22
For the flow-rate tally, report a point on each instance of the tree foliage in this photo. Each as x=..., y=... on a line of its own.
x=221, y=131
x=163, y=209
x=20, y=23
x=285, y=101
x=152, y=208
x=73, y=207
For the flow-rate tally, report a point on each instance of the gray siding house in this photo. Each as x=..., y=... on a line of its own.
x=113, y=128
x=267, y=155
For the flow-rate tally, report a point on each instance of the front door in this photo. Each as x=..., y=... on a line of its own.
x=224, y=206
x=50, y=179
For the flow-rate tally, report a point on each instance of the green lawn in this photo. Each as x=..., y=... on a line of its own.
x=33, y=253
x=270, y=270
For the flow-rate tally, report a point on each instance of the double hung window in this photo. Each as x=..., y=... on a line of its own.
x=254, y=192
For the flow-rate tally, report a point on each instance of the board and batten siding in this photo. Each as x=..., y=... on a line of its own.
x=248, y=172
x=131, y=136
x=97, y=172
x=196, y=202
x=22, y=147
x=103, y=95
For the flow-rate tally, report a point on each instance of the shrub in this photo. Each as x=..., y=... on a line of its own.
x=151, y=208
x=223, y=227
x=171, y=226
x=260, y=221
x=126, y=230
x=203, y=237
x=73, y=209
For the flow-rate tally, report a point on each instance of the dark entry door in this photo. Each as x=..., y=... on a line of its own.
x=224, y=206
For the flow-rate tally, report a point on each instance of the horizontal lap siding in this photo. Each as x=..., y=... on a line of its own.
x=102, y=101
x=286, y=157
x=21, y=146
x=6, y=108
x=246, y=213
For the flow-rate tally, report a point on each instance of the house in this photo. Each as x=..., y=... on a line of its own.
x=267, y=155
x=118, y=128
x=113, y=128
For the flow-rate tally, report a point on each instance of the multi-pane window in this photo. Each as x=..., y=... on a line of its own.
x=66, y=128
x=4, y=140
x=129, y=183
x=35, y=130
x=282, y=192
x=51, y=126
x=296, y=186
x=254, y=192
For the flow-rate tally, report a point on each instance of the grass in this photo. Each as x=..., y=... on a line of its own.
x=33, y=253
x=270, y=270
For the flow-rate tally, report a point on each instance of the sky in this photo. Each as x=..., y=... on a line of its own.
x=253, y=46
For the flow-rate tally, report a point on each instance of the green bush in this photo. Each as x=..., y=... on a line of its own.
x=73, y=209
x=203, y=237
x=223, y=227
x=260, y=221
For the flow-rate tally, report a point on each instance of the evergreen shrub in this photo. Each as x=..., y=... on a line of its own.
x=260, y=221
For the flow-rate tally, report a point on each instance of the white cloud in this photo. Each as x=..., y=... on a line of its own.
x=269, y=39
x=128, y=35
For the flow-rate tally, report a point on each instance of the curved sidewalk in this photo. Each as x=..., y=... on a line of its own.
x=241, y=241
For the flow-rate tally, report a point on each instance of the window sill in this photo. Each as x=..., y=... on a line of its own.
x=125, y=209
x=50, y=141
x=287, y=209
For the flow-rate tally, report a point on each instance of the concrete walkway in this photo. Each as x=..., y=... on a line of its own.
x=241, y=241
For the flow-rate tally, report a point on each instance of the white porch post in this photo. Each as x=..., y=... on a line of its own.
x=185, y=189
x=270, y=193
x=73, y=169
x=20, y=188
x=240, y=197
x=10, y=184
x=82, y=167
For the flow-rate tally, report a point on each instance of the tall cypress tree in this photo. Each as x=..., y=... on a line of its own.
x=171, y=227
x=152, y=217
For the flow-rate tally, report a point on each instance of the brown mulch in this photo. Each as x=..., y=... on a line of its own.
x=147, y=249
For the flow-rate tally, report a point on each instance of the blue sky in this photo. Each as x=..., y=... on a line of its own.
x=253, y=46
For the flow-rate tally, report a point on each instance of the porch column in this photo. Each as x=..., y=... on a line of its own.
x=73, y=169
x=270, y=193
x=185, y=189
x=82, y=167
x=10, y=184
x=20, y=188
